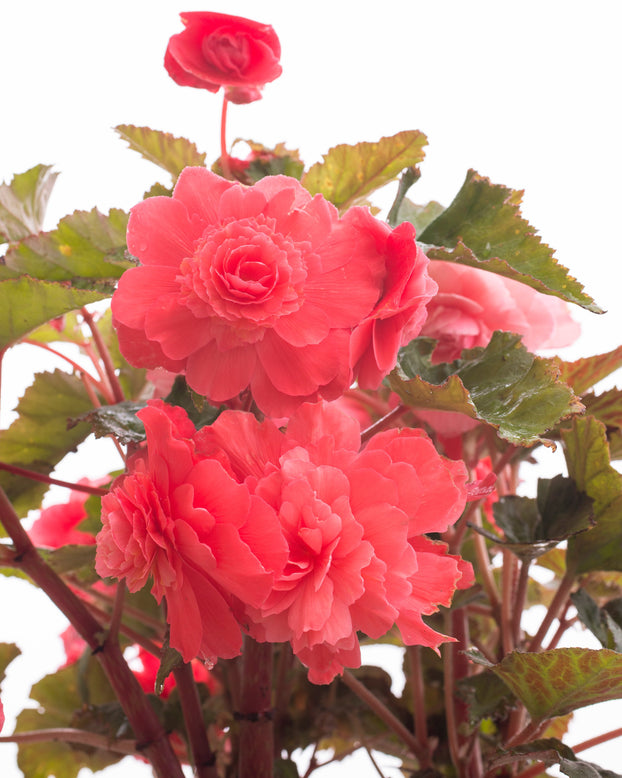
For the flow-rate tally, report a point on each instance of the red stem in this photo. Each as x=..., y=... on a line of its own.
x=148, y=730
x=555, y=608
x=383, y=423
x=256, y=749
x=203, y=757
x=45, y=479
x=117, y=391
x=224, y=156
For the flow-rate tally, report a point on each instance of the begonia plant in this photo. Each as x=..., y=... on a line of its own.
x=322, y=417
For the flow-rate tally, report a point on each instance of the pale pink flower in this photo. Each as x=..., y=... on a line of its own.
x=472, y=303
x=181, y=521
x=244, y=287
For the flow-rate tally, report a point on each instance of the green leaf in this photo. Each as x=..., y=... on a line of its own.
x=555, y=682
x=8, y=652
x=584, y=373
x=199, y=411
x=349, y=173
x=61, y=705
x=70, y=558
x=486, y=696
x=534, y=526
x=553, y=751
x=26, y=303
x=483, y=228
x=23, y=203
x=170, y=659
x=587, y=457
x=163, y=149
x=38, y=439
x=505, y=385
x=605, y=623
x=263, y=161
x=606, y=407
x=119, y=420
x=87, y=249
x=419, y=215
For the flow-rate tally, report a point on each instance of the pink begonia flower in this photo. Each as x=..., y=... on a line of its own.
x=56, y=525
x=1, y=716
x=181, y=520
x=245, y=286
x=472, y=303
x=400, y=312
x=353, y=522
x=217, y=50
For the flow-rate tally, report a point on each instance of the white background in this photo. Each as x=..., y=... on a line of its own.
x=526, y=93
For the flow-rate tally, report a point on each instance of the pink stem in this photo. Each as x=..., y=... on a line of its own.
x=46, y=479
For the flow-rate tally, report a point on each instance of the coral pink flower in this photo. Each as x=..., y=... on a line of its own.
x=472, y=303
x=400, y=312
x=244, y=287
x=220, y=50
x=182, y=521
x=353, y=523
x=56, y=525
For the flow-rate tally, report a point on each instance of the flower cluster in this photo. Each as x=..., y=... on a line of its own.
x=294, y=536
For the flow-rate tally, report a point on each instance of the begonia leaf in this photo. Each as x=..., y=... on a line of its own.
x=584, y=373
x=169, y=660
x=587, y=457
x=605, y=623
x=560, y=680
x=60, y=705
x=86, y=250
x=261, y=162
x=534, y=526
x=552, y=751
x=606, y=407
x=483, y=227
x=419, y=215
x=163, y=149
x=38, y=439
x=8, y=652
x=507, y=386
x=65, y=329
x=349, y=173
x=119, y=420
x=199, y=411
x=23, y=203
x=486, y=695
x=26, y=303
x=68, y=559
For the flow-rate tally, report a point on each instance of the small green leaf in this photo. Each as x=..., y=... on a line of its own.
x=163, y=149
x=38, y=439
x=199, y=411
x=605, y=623
x=584, y=373
x=119, y=420
x=507, y=386
x=587, y=457
x=68, y=559
x=555, y=682
x=419, y=215
x=87, y=249
x=26, y=303
x=170, y=659
x=483, y=227
x=486, y=695
x=8, y=652
x=349, y=173
x=23, y=203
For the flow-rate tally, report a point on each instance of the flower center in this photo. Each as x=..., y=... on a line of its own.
x=226, y=51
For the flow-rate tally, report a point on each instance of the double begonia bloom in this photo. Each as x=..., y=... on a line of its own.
x=217, y=50
x=472, y=303
x=242, y=287
x=399, y=314
x=354, y=525
x=182, y=521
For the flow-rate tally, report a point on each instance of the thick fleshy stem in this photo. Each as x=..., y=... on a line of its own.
x=152, y=739
x=224, y=155
x=203, y=757
x=256, y=727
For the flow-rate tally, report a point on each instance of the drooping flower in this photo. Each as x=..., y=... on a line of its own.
x=56, y=525
x=182, y=521
x=399, y=314
x=217, y=50
x=353, y=523
x=472, y=303
x=244, y=287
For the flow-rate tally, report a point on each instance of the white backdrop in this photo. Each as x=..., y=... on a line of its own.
x=526, y=93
